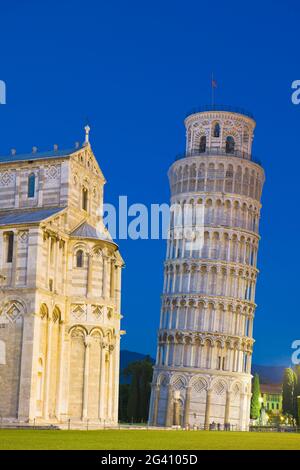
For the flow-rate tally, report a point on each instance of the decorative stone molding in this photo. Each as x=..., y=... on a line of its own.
x=78, y=311
x=97, y=311
x=12, y=311
x=52, y=172
x=7, y=178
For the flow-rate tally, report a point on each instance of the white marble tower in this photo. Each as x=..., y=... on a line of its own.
x=202, y=374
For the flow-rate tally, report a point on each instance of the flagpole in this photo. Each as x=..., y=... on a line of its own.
x=212, y=89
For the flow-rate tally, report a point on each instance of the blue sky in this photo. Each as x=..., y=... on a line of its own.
x=134, y=68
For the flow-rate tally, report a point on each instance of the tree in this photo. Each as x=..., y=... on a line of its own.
x=140, y=374
x=288, y=388
x=134, y=393
x=145, y=387
x=297, y=393
x=123, y=401
x=298, y=410
x=255, y=399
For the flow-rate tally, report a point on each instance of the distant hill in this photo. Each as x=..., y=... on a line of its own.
x=126, y=357
x=267, y=374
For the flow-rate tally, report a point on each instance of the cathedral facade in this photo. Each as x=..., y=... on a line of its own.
x=202, y=375
x=60, y=285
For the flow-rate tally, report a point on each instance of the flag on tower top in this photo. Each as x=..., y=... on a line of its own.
x=214, y=83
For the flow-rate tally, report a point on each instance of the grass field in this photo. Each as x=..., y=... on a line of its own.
x=145, y=440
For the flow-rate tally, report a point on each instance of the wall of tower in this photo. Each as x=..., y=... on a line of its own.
x=203, y=365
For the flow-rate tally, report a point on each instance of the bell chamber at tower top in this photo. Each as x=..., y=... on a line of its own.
x=218, y=156
x=223, y=132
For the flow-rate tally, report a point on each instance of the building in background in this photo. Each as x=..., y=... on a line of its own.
x=60, y=290
x=271, y=398
x=202, y=373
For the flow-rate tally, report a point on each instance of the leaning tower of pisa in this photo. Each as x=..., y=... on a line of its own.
x=202, y=375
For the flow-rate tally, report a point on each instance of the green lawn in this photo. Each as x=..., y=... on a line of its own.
x=133, y=439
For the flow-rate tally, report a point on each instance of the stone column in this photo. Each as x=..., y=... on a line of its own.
x=60, y=369
x=118, y=283
x=156, y=389
x=242, y=412
x=207, y=409
x=249, y=358
x=167, y=346
x=27, y=386
x=112, y=279
x=165, y=282
x=116, y=380
x=171, y=247
x=168, y=282
x=48, y=369
x=169, y=407
x=213, y=319
x=188, y=288
x=65, y=268
x=105, y=272
x=14, y=260
x=68, y=267
x=102, y=383
x=161, y=321
x=204, y=318
x=181, y=352
x=65, y=381
x=228, y=254
x=176, y=310
x=187, y=406
x=87, y=345
x=186, y=313
x=192, y=355
x=234, y=360
x=174, y=280
x=180, y=279
x=235, y=285
x=176, y=412
x=90, y=275
x=247, y=417
x=250, y=334
x=110, y=379
x=48, y=260
x=56, y=261
x=227, y=407
x=231, y=360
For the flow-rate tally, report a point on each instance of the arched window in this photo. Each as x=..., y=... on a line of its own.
x=217, y=130
x=202, y=144
x=85, y=199
x=10, y=247
x=230, y=143
x=79, y=259
x=31, y=185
